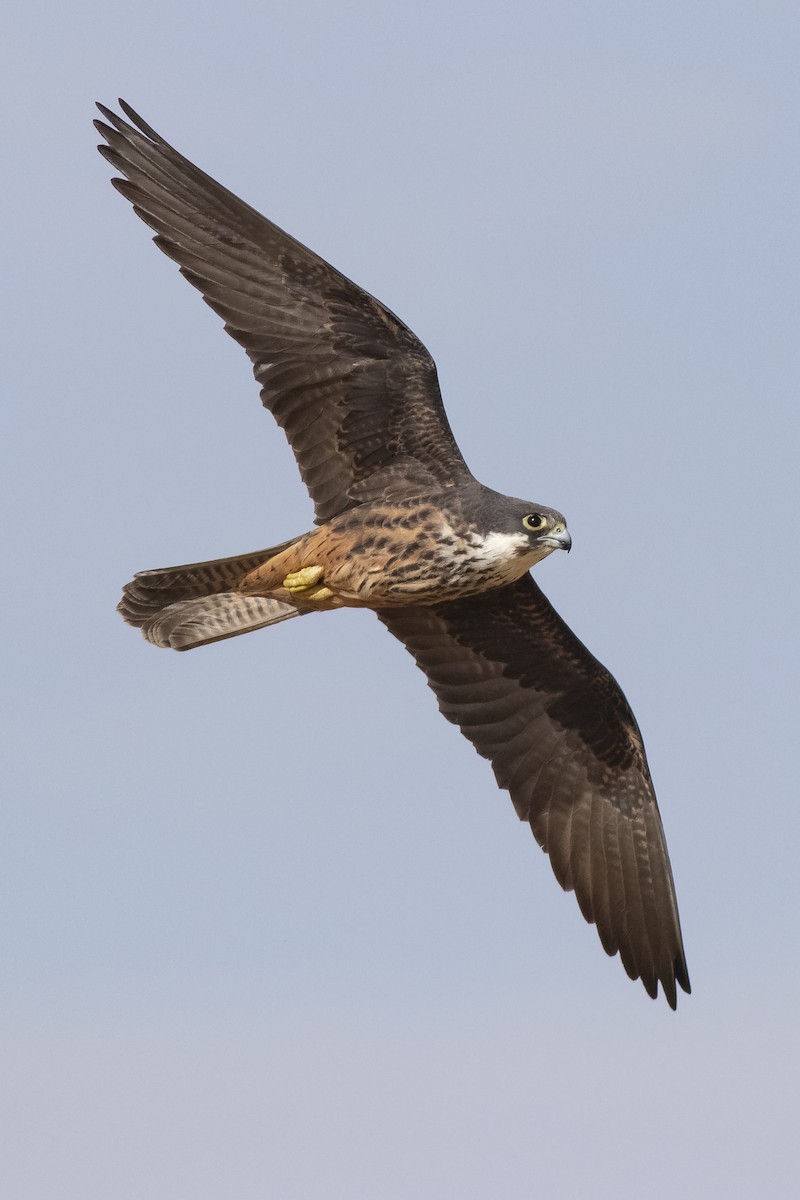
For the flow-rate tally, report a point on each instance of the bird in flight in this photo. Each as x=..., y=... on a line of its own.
x=404, y=528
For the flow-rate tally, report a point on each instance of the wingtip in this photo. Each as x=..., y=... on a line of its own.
x=130, y=112
x=137, y=122
x=108, y=112
x=678, y=976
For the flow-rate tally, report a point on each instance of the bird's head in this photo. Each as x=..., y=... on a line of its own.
x=519, y=531
x=545, y=528
x=536, y=530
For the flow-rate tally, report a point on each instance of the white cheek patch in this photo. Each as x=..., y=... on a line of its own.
x=474, y=562
x=498, y=547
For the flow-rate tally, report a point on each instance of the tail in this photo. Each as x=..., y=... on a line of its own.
x=184, y=607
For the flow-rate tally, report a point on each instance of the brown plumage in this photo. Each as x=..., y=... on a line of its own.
x=405, y=529
x=562, y=739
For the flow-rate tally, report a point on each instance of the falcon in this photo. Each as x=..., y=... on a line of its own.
x=402, y=527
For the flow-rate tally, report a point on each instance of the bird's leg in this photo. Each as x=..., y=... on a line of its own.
x=303, y=584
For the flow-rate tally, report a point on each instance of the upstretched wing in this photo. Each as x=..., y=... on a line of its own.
x=353, y=388
x=562, y=739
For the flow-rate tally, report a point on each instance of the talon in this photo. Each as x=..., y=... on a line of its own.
x=301, y=584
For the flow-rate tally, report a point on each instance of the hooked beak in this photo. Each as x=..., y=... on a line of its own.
x=558, y=539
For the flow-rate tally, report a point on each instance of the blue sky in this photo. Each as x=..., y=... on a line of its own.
x=269, y=929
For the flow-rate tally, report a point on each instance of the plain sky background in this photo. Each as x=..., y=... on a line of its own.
x=268, y=928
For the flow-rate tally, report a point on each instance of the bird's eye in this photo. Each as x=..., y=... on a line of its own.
x=533, y=521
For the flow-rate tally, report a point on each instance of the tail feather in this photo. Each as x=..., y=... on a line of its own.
x=192, y=605
x=150, y=591
x=207, y=619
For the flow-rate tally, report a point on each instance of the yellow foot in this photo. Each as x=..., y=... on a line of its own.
x=302, y=584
